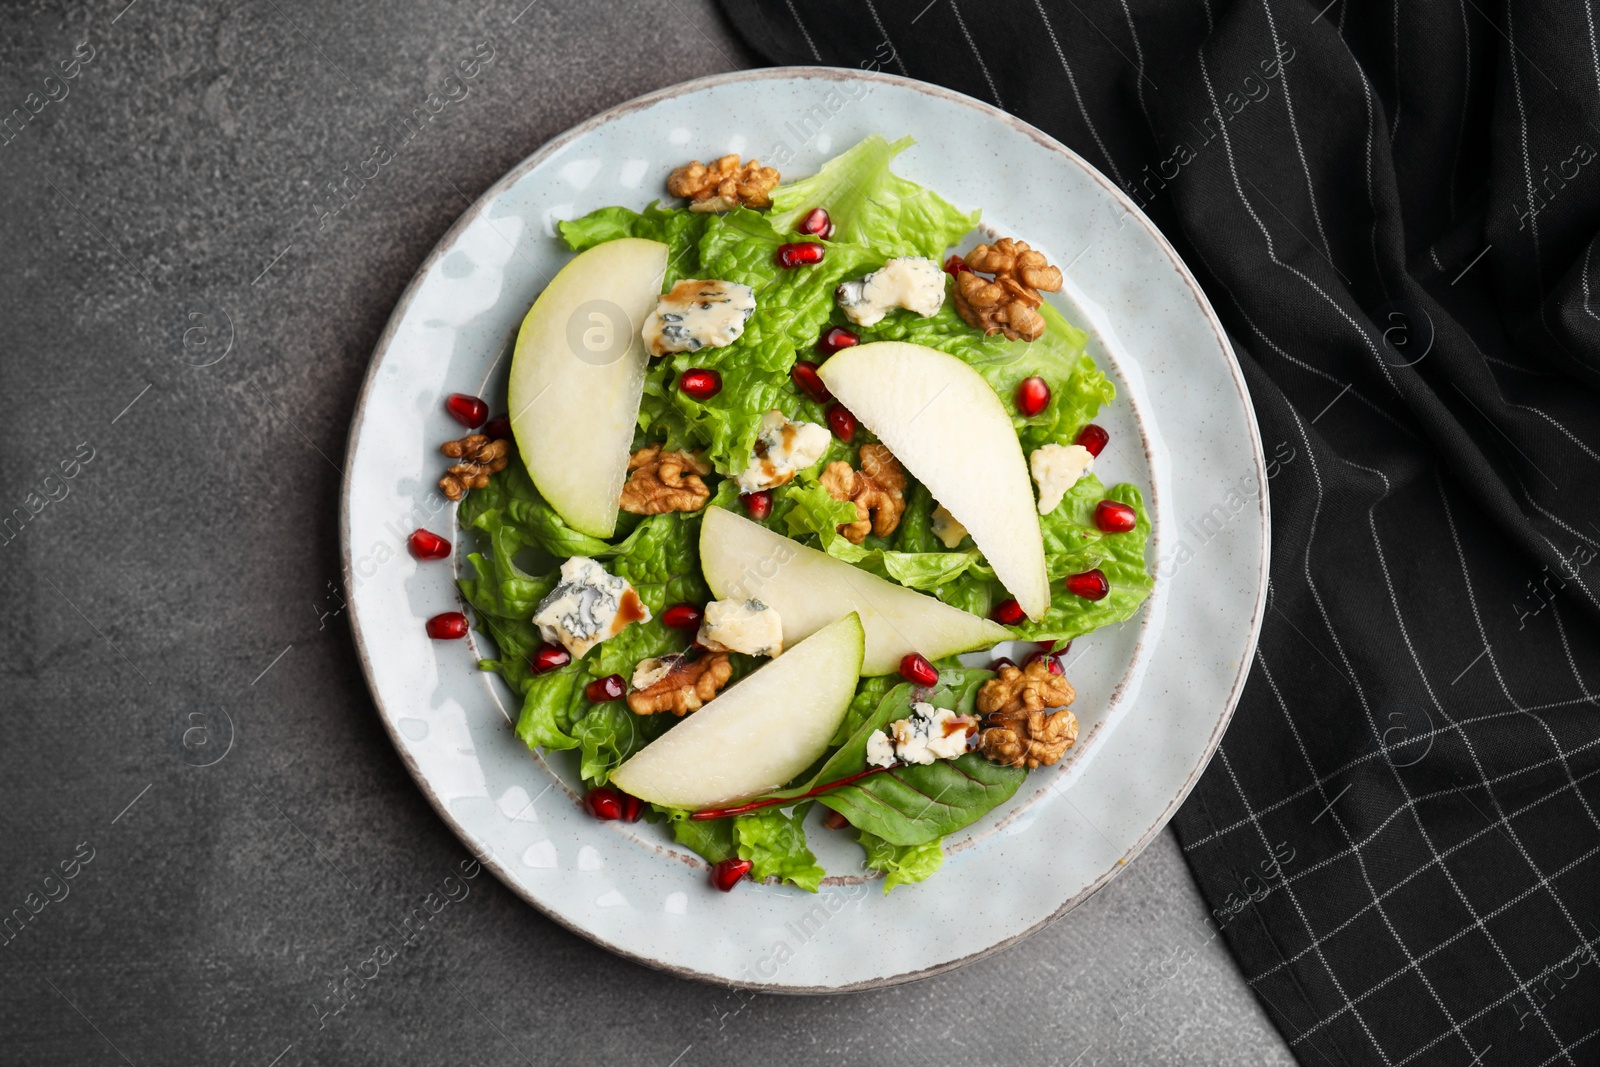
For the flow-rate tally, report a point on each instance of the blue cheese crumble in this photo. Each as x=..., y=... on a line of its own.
x=782, y=447
x=588, y=605
x=1057, y=468
x=699, y=314
x=910, y=282
x=747, y=626
x=927, y=734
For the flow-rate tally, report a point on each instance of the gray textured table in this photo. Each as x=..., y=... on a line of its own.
x=187, y=319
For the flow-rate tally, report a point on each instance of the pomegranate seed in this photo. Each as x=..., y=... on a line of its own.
x=548, y=657
x=469, y=411
x=1113, y=517
x=1001, y=662
x=841, y=422
x=604, y=803
x=700, y=384
x=681, y=617
x=726, y=875
x=759, y=505
x=835, y=338
x=498, y=428
x=834, y=821
x=425, y=544
x=798, y=254
x=447, y=626
x=806, y=379
x=914, y=667
x=1051, y=658
x=1093, y=438
x=816, y=224
x=1091, y=585
x=632, y=807
x=1008, y=613
x=955, y=265
x=611, y=687
x=1032, y=396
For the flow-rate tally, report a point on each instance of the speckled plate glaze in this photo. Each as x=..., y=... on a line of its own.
x=1154, y=693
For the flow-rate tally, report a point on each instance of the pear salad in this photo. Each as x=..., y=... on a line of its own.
x=774, y=460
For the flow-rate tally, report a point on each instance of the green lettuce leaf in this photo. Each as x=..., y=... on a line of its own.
x=553, y=702
x=712, y=839
x=918, y=804
x=775, y=844
x=678, y=229
x=871, y=205
x=869, y=694
x=609, y=734
x=902, y=864
x=1073, y=544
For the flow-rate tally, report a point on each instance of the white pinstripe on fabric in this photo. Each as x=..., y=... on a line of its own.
x=1072, y=83
x=994, y=91
x=1466, y=105
x=1394, y=131
x=876, y=21
x=1591, y=453
x=1294, y=128
x=1588, y=294
x=1138, y=52
x=798, y=21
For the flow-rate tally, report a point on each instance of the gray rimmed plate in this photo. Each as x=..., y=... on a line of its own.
x=1154, y=693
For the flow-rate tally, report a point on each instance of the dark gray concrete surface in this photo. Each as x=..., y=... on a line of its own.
x=184, y=333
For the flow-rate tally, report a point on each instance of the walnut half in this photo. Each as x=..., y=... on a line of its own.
x=479, y=456
x=665, y=481
x=1019, y=730
x=878, y=490
x=685, y=688
x=1007, y=304
x=723, y=184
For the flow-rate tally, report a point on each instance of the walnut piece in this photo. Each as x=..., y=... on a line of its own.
x=665, y=481
x=1019, y=730
x=878, y=490
x=1007, y=304
x=723, y=184
x=479, y=456
x=685, y=688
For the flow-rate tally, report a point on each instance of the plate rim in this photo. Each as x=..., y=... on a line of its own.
x=841, y=74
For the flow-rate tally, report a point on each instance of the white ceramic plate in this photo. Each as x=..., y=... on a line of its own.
x=1154, y=693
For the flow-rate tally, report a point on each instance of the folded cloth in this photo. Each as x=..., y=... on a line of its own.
x=1393, y=208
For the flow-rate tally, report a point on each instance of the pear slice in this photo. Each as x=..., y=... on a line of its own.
x=577, y=376
x=946, y=425
x=743, y=559
x=758, y=734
